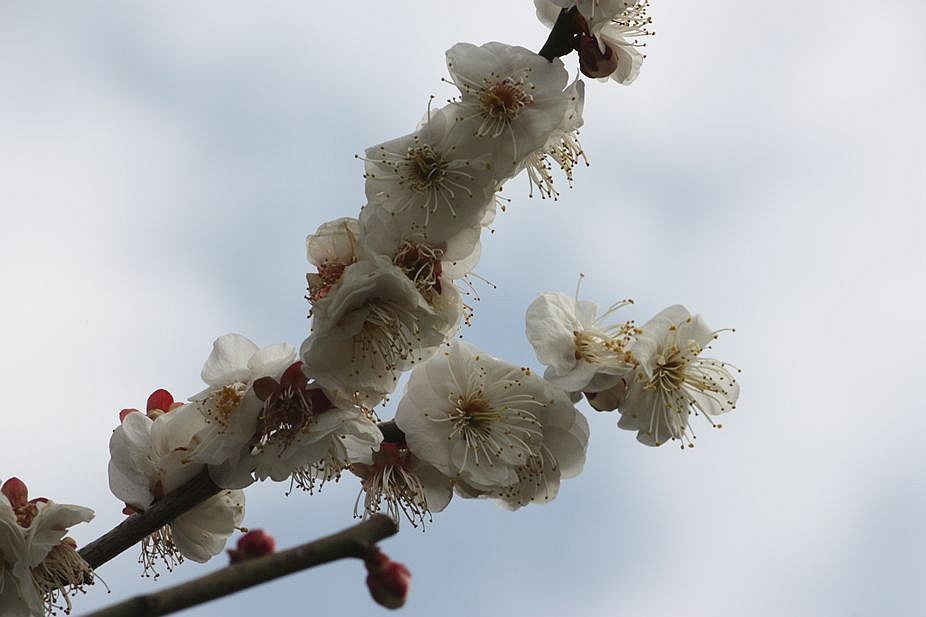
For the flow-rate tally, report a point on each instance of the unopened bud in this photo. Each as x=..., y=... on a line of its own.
x=160, y=399
x=387, y=580
x=255, y=543
x=15, y=490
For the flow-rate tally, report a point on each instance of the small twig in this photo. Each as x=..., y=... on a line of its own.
x=133, y=529
x=354, y=541
x=560, y=42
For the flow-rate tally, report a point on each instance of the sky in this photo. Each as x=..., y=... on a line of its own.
x=162, y=163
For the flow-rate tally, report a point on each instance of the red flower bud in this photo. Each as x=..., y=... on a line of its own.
x=15, y=490
x=387, y=580
x=255, y=543
x=160, y=399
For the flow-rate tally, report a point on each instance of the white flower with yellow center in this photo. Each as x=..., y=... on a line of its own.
x=581, y=351
x=393, y=474
x=510, y=95
x=433, y=183
x=39, y=567
x=496, y=429
x=229, y=405
x=673, y=381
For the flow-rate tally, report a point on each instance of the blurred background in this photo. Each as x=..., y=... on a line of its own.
x=162, y=163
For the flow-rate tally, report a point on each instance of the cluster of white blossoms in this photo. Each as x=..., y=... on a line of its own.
x=385, y=298
x=39, y=565
x=653, y=374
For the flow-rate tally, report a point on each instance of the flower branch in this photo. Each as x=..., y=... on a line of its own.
x=137, y=526
x=355, y=541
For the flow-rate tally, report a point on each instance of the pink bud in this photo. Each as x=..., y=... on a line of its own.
x=15, y=490
x=255, y=543
x=387, y=580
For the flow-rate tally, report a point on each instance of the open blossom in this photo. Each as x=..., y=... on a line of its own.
x=301, y=435
x=407, y=484
x=510, y=96
x=581, y=352
x=496, y=429
x=39, y=567
x=372, y=326
x=434, y=183
x=229, y=405
x=149, y=459
x=672, y=380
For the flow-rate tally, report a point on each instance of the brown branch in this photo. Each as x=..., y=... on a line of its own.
x=133, y=529
x=354, y=541
x=562, y=35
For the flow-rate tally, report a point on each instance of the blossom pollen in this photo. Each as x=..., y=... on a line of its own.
x=320, y=284
x=221, y=404
x=422, y=265
x=488, y=430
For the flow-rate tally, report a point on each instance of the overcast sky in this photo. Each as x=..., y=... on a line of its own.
x=161, y=164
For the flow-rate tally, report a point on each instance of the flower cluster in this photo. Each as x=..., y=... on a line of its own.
x=653, y=375
x=385, y=298
x=39, y=565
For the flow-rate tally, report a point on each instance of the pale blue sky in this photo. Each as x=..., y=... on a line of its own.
x=160, y=166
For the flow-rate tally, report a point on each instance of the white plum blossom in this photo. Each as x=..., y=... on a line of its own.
x=494, y=428
x=229, y=405
x=672, y=380
x=372, y=326
x=581, y=352
x=511, y=95
x=433, y=183
x=406, y=483
x=149, y=459
x=39, y=567
x=301, y=435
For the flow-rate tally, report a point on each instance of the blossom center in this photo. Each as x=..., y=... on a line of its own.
x=422, y=265
x=389, y=478
x=221, y=404
x=425, y=168
x=504, y=100
x=290, y=408
x=490, y=431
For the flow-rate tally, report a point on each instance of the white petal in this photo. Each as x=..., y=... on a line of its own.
x=228, y=361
